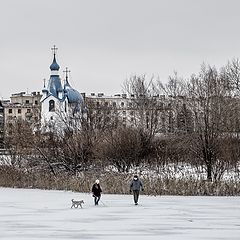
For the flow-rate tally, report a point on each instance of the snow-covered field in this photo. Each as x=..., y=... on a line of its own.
x=39, y=214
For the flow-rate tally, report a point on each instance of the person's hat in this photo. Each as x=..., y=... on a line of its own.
x=97, y=181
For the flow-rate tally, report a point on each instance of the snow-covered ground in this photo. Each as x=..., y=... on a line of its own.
x=40, y=214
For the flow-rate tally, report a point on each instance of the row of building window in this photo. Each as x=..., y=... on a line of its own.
x=129, y=104
x=28, y=102
x=10, y=111
x=114, y=104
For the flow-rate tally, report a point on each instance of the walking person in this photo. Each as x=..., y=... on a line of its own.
x=96, y=191
x=135, y=187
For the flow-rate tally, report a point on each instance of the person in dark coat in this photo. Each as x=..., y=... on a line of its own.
x=135, y=187
x=96, y=191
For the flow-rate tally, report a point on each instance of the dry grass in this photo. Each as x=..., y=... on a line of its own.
x=114, y=183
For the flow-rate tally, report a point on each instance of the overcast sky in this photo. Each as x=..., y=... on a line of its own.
x=103, y=42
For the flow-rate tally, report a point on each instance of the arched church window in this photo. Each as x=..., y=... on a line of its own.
x=51, y=106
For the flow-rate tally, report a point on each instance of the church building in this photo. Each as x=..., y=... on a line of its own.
x=61, y=104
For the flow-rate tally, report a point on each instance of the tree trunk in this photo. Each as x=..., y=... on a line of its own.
x=209, y=172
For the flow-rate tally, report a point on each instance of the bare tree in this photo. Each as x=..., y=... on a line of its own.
x=231, y=73
x=101, y=116
x=210, y=104
x=147, y=108
x=176, y=109
x=18, y=138
x=176, y=86
x=121, y=148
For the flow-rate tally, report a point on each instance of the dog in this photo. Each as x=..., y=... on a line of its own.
x=76, y=204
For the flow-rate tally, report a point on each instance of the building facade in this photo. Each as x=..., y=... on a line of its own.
x=22, y=107
x=161, y=114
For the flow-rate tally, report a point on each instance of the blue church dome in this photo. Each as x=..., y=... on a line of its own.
x=54, y=66
x=72, y=94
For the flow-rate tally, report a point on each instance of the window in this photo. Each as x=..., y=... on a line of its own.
x=19, y=111
x=10, y=110
x=27, y=101
x=28, y=110
x=114, y=104
x=51, y=106
x=36, y=102
x=122, y=104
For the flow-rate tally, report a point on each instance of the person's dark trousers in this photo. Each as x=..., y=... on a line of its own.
x=96, y=200
x=135, y=196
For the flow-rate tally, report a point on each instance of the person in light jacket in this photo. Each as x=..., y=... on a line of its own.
x=135, y=187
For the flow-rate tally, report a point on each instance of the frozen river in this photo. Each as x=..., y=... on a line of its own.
x=40, y=214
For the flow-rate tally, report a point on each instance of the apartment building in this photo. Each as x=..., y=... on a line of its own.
x=158, y=112
x=22, y=106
